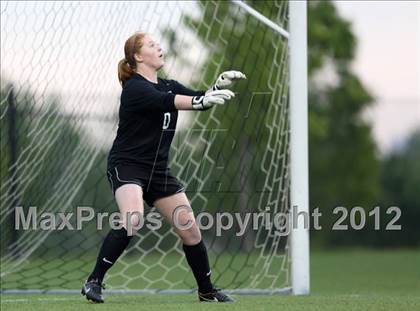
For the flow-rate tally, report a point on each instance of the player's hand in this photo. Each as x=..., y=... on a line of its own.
x=226, y=78
x=211, y=98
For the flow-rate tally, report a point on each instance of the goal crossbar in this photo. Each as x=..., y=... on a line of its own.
x=262, y=18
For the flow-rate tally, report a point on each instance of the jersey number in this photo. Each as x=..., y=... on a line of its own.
x=166, y=120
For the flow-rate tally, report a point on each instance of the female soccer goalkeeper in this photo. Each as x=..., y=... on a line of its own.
x=138, y=160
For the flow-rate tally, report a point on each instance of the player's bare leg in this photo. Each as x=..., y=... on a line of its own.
x=129, y=199
x=177, y=211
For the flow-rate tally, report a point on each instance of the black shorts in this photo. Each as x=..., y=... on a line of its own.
x=155, y=185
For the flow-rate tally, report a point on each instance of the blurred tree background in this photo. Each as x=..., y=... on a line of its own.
x=46, y=153
x=343, y=161
x=345, y=166
x=400, y=181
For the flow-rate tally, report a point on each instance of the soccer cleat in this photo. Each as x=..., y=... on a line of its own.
x=216, y=295
x=93, y=291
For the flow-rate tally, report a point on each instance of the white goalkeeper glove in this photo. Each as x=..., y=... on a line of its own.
x=226, y=78
x=211, y=98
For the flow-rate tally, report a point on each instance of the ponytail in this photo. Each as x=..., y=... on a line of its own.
x=127, y=66
x=125, y=71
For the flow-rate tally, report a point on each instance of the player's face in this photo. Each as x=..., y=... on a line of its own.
x=151, y=53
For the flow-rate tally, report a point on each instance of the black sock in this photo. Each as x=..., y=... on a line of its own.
x=114, y=244
x=199, y=262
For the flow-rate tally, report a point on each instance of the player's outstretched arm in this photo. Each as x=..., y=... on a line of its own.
x=211, y=98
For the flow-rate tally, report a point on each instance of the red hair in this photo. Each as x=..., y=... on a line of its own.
x=128, y=65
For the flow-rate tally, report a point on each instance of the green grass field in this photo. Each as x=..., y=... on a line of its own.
x=342, y=280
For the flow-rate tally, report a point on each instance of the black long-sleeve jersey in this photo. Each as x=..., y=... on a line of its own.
x=147, y=122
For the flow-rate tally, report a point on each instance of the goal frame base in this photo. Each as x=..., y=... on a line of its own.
x=241, y=291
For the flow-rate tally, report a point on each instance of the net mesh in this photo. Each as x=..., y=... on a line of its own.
x=58, y=117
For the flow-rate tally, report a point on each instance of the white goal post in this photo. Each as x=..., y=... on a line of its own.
x=299, y=144
x=298, y=96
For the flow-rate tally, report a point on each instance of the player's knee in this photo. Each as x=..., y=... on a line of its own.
x=133, y=222
x=136, y=219
x=190, y=236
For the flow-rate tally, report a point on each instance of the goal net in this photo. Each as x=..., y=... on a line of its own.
x=59, y=114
